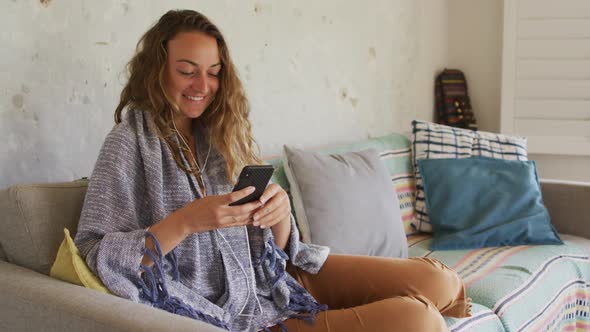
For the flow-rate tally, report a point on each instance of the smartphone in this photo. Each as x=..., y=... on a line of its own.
x=257, y=176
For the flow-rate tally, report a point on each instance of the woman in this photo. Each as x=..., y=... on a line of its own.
x=157, y=227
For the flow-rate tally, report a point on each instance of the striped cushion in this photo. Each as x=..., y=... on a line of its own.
x=402, y=179
x=434, y=141
x=528, y=288
x=405, y=187
x=394, y=150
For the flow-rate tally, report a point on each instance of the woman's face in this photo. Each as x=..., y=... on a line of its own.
x=192, y=72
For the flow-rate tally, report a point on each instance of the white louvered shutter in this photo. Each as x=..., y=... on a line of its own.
x=546, y=74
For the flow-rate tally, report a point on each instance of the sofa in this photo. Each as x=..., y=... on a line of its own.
x=521, y=288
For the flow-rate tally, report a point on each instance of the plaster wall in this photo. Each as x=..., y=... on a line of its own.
x=316, y=72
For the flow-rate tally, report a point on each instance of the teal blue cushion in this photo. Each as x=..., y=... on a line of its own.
x=483, y=202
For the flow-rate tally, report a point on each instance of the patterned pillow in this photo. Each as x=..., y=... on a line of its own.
x=405, y=186
x=434, y=141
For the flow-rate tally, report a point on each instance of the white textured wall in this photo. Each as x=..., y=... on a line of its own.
x=316, y=72
x=475, y=46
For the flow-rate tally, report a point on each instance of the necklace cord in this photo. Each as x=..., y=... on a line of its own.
x=199, y=169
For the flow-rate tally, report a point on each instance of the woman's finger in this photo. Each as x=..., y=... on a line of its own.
x=274, y=203
x=233, y=221
x=270, y=192
x=237, y=195
x=242, y=209
x=272, y=218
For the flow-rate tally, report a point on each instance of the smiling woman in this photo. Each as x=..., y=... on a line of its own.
x=160, y=187
x=158, y=225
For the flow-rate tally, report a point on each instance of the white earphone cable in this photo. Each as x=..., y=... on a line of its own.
x=217, y=232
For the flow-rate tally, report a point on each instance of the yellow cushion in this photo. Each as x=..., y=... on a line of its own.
x=70, y=267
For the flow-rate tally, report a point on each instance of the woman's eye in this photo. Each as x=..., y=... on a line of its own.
x=184, y=73
x=214, y=74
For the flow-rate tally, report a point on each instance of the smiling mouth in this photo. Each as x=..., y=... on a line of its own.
x=194, y=98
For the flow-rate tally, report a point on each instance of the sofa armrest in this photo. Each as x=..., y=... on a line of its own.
x=30, y=301
x=569, y=206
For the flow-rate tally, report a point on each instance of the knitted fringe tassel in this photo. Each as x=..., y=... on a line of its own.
x=172, y=256
x=154, y=289
x=300, y=302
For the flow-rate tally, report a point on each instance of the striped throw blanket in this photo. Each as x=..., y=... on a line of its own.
x=521, y=288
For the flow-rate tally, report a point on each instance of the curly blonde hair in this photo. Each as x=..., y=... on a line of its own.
x=227, y=116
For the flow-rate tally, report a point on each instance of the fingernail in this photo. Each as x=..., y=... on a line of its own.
x=263, y=227
x=262, y=200
x=251, y=189
x=256, y=223
x=255, y=217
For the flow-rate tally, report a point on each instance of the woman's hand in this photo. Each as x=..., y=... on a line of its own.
x=275, y=213
x=275, y=207
x=201, y=215
x=213, y=212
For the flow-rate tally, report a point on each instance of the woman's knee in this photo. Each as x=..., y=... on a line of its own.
x=414, y=313
x=437, y=277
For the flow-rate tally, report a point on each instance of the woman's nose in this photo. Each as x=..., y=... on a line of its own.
x=199, y=83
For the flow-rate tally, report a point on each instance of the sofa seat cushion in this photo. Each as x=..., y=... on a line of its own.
x=482, y=320
x=33, y=218
x=581, y=242
x=527, y=287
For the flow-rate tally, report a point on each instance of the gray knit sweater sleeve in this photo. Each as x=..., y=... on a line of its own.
x=111, y=231
x=309, y=257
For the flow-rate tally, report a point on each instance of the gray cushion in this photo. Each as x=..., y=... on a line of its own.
x=33, y=218
x=346, y=201
x=2, y=254
x=30, y=301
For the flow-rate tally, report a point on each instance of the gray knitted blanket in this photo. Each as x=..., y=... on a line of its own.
x=234, y=277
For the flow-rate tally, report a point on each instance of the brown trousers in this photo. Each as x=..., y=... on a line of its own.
x=382, y=294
